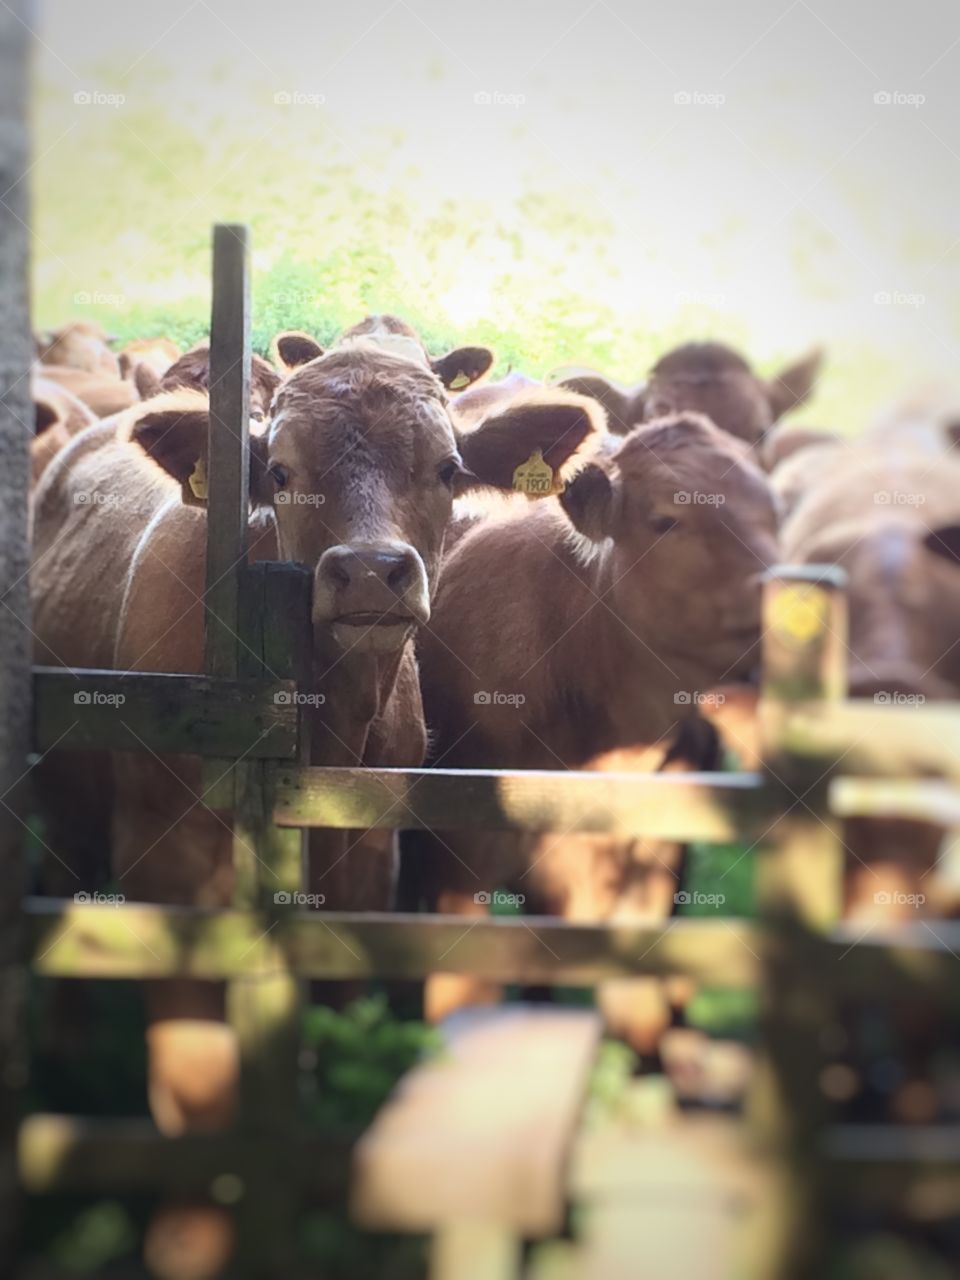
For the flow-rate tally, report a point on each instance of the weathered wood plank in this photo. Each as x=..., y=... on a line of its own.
x=508, y=1090
x=228, y=457
x=861, y=737
x=58, y=1153
x=144, y=940
x=138, y=711
x=16, y=429
x=709, y=807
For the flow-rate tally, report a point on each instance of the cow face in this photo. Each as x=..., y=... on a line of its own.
x=360, y=465
x=688, y=524
x=709, y=378
x=192, y=370
x=903, y=604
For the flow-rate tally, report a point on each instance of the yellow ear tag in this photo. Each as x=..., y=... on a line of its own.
x=460, y=381
x=799, y=614
x=198, y=481
x=535, y=477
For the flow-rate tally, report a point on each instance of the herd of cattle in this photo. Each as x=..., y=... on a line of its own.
x=613, y=623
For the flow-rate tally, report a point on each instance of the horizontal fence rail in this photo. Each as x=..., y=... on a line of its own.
x=712, y=807
x=87, y=709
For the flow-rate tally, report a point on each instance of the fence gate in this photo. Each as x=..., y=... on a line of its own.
x=241, y=716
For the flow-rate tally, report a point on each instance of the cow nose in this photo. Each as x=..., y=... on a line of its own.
x=347, y=567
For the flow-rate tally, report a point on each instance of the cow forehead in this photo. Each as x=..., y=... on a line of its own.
x=368, y=404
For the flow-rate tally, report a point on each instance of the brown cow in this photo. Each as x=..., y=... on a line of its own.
x=355, y=477
x=708, y=378
x=58, y=416
x=192, y=370
x=104, y=393
x=588, y=624
x=154, y=354
x=80, y=344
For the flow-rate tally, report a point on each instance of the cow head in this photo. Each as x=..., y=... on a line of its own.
x=360, y=464
x=687, y=525
x=192, y=370
x=708, y=378
x=80, y=344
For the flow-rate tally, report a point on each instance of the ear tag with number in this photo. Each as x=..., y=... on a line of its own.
x=535, y=477
x=198, y=481
x=460, y=381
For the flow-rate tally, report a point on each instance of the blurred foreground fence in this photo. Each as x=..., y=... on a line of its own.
x=517, y=1186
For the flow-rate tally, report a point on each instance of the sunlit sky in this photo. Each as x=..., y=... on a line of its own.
x=782, y=193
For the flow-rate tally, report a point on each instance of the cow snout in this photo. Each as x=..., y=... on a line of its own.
x=377, y=590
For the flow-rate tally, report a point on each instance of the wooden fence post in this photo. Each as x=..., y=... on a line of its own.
x=16, y=426
x=800, y=872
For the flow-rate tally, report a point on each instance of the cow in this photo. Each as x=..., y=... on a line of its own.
x=79, y=344
x=58, y=416
x=155, y=354
x=192, y=370
x=104, y=393
x=885, y=507
x=585, y=624
x=702, y=377
x=118, y=581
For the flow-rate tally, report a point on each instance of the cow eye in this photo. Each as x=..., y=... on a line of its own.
x=448, y=471
x=662, y=524
x=279, y=474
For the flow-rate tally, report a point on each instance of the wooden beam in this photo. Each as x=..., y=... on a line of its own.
x=228, y=457
x=506, y=1093
x=60, y=1153
x=707, y=807
x=143, y=940
x=16, y=431
x=140, y=711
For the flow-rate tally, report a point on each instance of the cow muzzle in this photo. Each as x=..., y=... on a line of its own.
x=371, y=596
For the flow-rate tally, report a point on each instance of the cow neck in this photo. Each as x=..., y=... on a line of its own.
x=356, y=690
x=626, y=691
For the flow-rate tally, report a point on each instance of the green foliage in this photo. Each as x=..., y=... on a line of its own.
x=356, y=1057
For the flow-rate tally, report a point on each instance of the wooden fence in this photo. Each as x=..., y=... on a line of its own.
x=797, y=953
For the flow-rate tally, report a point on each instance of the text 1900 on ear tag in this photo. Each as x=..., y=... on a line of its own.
x=536, y=478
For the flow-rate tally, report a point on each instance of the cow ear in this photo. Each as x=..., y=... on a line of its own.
x=294, y=348
x=460, y=368
x=793, y=384
x=146, y=381
x=945, y=542
x=553, y=423
x=588, y=502
x=45, y=415
x=624, y=410
x=176, y=440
